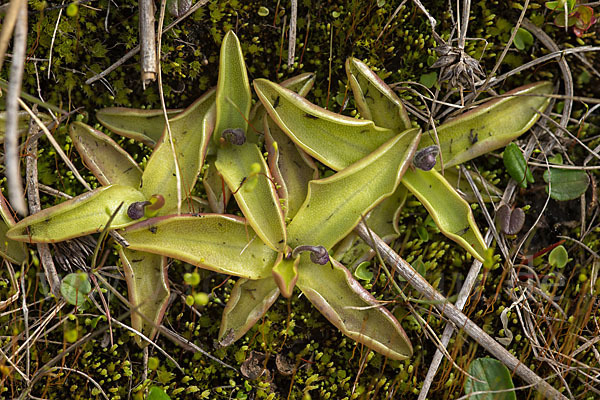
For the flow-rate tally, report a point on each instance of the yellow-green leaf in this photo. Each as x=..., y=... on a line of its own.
x=221, y=243
x=451, y=213
x=254, y=192
x=248, y=302
x=146, y=126
x=383, y=220
x=374, y=99
x=300, y=84
x=352, y=309
x=285, y=274
x=148, y=289
x=334, y=205
x=217, y=192
x=105, y=158
x=13, y=251
x=290, y=166
x=190, y=131
x=233, y=88
x=335, y=140
x=82, y=215
x=490, y=126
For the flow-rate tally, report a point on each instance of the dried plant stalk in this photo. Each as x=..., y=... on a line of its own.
x=11, y=141
x=459, y=319
x=147, y=42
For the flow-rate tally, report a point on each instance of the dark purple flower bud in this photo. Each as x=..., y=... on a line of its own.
x=425, y=158
x=318, y=254
x=136, y=210
x=235, y=136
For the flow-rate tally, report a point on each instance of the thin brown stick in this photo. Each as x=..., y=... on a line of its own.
x=147, y=42
x=164, y=108
x=52, y=42
x=464, y=23
x=55, y=144
x=136, y=49
x=505, y=50
x=11, y=141
x=8, y=24
x=33, y=197
x=563, y=65
x=455, y=315
x=463, y=295
x=292, y=38
x=396, y=11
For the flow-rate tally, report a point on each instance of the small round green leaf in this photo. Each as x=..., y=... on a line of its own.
x=566, y=184
x=558, y=257
x=556, y=159
x=362, y=271
x=75, y=287
x=523, y=39
x=429, y=79
x=156, y=393
x=263, y=11
x=494, y=377
x=516, y=166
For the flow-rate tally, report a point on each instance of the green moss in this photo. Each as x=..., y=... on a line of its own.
x=329, y=364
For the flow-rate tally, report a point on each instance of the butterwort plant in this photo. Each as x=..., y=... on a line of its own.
x=319, y=213
x=332, y=208
x=129, y=194
x=337, y=142
x=271, y=256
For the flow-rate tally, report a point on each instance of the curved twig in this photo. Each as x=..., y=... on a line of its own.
x=455, y=315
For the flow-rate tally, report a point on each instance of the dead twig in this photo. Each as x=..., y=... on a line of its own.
x=136, y=49
x=33, y=197
x=563, y=65
x=455, y=315
x=55, y=144
x=292, y=38
x=8, y=24
x=147, y=42
x=52, y=42
x=11, y=142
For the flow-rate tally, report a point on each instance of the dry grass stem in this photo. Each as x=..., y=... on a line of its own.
x=164, y=108
x=563, y=65
x=136, y=49
x=147, y=41
x=33, y=197
x=16, y=194
x=292, y=38
x=455, y=315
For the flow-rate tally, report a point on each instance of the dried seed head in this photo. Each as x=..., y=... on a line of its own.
x=318, y=254
x=235, y=136
x=425, y=158
x=459, y=68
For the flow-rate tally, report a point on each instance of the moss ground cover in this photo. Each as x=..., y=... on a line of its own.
x=328, y=365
